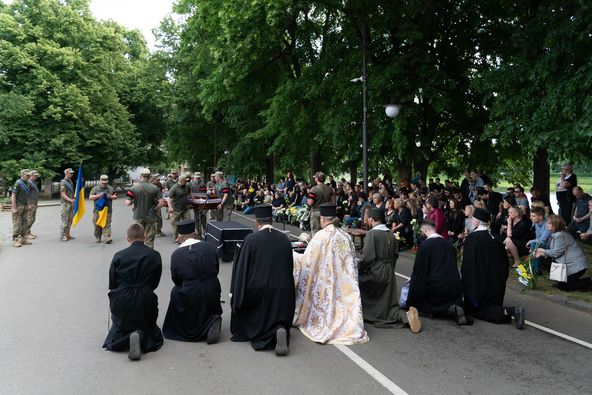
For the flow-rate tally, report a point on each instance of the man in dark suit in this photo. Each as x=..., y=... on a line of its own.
x=133, y=277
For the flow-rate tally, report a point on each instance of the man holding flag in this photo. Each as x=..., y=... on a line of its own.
x=66, y=203
x=102, y=195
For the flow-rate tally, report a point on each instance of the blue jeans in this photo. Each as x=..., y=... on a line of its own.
x=248, y=210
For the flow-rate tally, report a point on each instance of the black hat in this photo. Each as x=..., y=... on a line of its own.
x=376, y=213
x=510, y=199
x=481, y=214
x=263, y=211
x=328, y=210
x=186, y=227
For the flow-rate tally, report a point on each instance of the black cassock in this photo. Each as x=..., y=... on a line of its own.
x=195, y=298
x=484, y=272
x=262, y=287
x=133, y=277
x=435, y=282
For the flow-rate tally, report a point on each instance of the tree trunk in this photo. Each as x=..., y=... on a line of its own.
x=422, y=167
x=403, y=172
x=353, y=171
x=315, y=161
x=541, y=171
x=269, y=170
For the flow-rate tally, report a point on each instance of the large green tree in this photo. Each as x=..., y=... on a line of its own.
x=71, y=89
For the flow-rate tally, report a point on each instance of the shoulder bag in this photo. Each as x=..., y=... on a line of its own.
x=558, y=271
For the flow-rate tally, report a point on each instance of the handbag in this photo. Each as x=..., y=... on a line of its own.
x=404, y=294
x=558, y=271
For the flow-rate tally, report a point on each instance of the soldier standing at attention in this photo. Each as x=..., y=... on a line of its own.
x=318, y=195
x=66, y=202
x=171, y=180
x=20, y=205
x=211, y=191
x=159, y=232
x=146, y=199
x=33, y=199
x=103, y=189
x=198, y=186
x=178, y=203
x=223, y=192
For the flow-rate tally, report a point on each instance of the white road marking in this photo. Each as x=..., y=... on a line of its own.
x=540, y=327
x=375, y=374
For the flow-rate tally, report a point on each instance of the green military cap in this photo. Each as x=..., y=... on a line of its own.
x=104, y=177
x=68, y=170
x=25, y=171
x=145, y=172
x=34, y=173
x=186, y=175
x=197, y=174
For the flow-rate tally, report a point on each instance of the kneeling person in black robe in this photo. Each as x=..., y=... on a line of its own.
x=262, y=287
x=377, y=278
x=435, y=288
x=484, y=275
x=194, y=311
x=133, y=277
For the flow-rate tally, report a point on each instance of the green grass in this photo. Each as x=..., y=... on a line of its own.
x=584, y=181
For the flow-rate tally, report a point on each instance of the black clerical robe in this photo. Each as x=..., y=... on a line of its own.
x=262, y=287
x=377, y=278
x=484, y=272
x=435, y=281
x=133, y=277
x=195, y=298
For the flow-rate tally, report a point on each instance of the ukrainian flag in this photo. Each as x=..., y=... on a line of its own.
x=103, y=210
x=79, y=198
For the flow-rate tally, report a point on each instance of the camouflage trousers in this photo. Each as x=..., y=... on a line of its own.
x=149, y=230
x=201, y=222
x=315, y=221
x=31, y=215
x=19, y=222
x=106, y=231
x=176, y=217
x=66, y=219
x=159, y=219
x=223, y=213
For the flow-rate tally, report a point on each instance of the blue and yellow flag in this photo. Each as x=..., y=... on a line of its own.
x=103, y=210
x=79, y=198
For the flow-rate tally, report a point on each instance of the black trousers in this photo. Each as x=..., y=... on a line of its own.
x=575, y=283
x=565, y=209
x=495, y=314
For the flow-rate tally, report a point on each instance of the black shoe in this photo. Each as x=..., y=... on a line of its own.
x=214, y=331
x=517, y=314
x=281, y=342
x=135, y=352
x=459, y=315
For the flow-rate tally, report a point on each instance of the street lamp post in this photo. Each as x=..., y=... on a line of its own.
x=365, y=110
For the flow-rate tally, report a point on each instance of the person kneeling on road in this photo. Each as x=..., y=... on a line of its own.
x=133, y=277
x=435, y=288
x=484, y=274
x=194, y=311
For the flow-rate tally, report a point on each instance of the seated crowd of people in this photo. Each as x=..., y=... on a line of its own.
x=521, y=223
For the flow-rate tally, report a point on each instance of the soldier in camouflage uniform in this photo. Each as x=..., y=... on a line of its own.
x=159, y=232
x=319, y=194
x=146, y=199
x=33, y=199
x=211, y=191
x=178, y=203
x=98, y=191
x=20, y=205
x=66, y=203
x=223, y=191
x=198, y=186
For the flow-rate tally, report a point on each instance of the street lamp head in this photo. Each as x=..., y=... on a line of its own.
x=392, y=110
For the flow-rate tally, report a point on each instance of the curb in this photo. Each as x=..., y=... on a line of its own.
x=47, y=205
x=557, y=299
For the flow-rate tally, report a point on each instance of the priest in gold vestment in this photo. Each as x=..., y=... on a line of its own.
x=328, y=303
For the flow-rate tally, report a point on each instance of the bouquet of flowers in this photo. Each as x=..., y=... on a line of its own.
x=416, y=233
x=525, y=270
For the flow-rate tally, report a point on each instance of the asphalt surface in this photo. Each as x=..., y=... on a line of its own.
x=54, y=311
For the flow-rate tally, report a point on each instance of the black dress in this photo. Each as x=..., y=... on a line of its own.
x=262, y=287
x=195, y=298
x=521, y=234
x=133, y=277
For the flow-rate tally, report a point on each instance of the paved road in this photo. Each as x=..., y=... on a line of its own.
x=53, y=309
